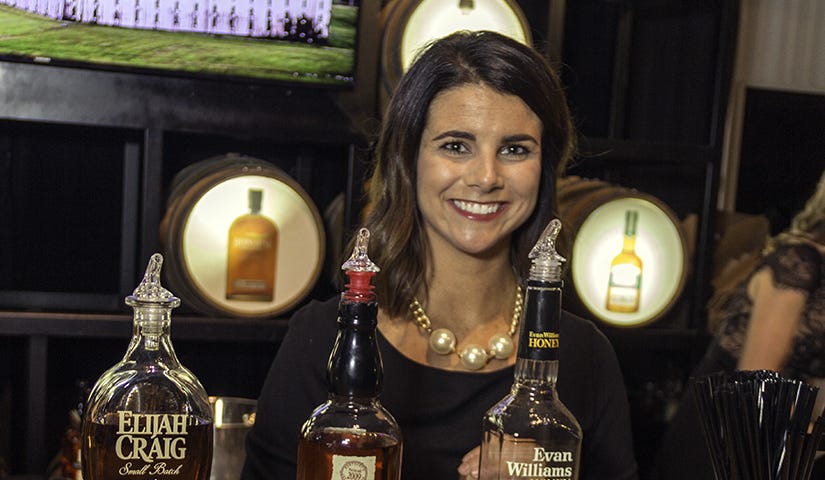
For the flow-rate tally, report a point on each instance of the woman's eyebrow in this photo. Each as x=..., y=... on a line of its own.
x=520, y=138
x=456, y=134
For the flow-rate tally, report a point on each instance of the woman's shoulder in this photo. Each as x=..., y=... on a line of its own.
x=580, y=329
x=583, y=343
x=796, y=265
x=316, y=319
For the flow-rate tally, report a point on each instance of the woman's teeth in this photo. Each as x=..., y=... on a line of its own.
x=477, y=208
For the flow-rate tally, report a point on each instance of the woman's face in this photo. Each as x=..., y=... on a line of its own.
x=478, y=170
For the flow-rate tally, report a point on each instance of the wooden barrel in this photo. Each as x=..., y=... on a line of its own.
x=409, y=24
x=241, y=238
x=593, y=214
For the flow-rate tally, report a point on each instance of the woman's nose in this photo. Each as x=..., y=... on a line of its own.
x=484, y=173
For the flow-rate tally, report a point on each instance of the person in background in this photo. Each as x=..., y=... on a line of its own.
x=774, y=319
x=463, y=184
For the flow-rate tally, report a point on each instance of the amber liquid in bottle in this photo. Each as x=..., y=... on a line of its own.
x=148, y=417
x=530, y=433
x=625, y=283
x=251, y=254
x=352, y=436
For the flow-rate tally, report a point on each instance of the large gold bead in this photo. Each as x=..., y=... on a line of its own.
x=473, y=357
x=442, y=341
x=501, y=346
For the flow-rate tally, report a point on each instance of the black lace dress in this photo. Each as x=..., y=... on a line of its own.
x=797, y=266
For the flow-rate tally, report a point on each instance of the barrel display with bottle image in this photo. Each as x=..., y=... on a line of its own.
x=628, y=252
x=242, y=238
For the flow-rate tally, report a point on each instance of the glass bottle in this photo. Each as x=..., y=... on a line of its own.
x=251, y=254
x=625, y=283
x=530, y=433
x=352, y=435
x=148, y=417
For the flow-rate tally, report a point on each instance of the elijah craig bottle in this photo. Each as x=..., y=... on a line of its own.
x=530, y=434
x=351, y=435
x=148, y=417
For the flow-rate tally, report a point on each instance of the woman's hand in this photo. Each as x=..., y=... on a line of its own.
x=469, y=464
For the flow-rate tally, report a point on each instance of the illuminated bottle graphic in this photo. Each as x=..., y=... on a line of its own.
x=148, y=417
x=530, y=433
x=351, y=435
x=625, y=283
x=251, y=254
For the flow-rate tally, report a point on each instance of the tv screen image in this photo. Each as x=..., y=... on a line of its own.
x=294, y=41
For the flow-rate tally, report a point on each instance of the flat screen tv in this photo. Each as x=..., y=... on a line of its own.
x=308, y=42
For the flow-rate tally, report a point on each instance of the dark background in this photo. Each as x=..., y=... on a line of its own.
x=87, y=159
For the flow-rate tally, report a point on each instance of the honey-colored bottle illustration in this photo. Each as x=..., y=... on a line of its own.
x=251, y=254
x=625, y=283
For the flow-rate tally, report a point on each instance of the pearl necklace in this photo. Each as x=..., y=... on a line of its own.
x=473, y=357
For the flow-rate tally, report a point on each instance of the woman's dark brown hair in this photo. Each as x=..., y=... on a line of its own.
x=397, y=242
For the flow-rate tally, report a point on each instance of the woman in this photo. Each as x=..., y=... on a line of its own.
x=464, y=182
x=773, y=320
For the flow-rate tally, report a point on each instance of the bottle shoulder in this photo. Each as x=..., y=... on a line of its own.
x=253, y=223
x=136, y=388
x=354, y=418
x=525, y=411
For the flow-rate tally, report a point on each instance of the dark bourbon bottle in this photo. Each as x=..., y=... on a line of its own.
x=352, y=435
x=530, y=433
x=148, y=417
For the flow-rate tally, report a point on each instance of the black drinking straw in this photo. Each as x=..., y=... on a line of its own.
x=755, y=425
x=703, y=394
x=810, y=448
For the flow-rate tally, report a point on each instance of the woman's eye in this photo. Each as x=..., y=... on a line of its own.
x=455, y=147
x=515, y=151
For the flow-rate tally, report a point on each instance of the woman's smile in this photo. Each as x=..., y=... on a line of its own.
x=479, y=211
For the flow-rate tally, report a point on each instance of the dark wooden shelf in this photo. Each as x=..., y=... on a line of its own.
x=80, y=325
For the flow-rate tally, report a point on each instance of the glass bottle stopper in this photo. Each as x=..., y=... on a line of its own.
x=547, y=262
x=359, y=268
x=150, y=291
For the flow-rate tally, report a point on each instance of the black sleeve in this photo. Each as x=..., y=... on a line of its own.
x=592, y=386
x=611, y=438
x=294, y=386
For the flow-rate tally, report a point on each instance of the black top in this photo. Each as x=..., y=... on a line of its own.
x=439, y=411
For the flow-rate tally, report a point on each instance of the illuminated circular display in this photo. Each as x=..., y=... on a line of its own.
x=628, y=261
x=438, y=18
x=245, y=239
x=409, y=25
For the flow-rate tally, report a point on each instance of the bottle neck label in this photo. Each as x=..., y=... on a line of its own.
x=539, y=338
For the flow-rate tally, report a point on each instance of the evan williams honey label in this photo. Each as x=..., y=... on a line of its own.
x=139, y=445
x=539, y=338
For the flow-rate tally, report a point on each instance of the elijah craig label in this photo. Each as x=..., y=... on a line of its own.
x=545, y=464
x=150, y=446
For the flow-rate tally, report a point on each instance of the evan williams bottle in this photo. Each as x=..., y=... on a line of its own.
x=352, y=436
x=251, y=254
x=148, y=417
x=530, y=433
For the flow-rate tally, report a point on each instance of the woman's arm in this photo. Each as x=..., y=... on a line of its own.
x=773, y=323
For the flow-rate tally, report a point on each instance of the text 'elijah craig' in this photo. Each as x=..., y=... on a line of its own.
x=148, y=417
x=251, y=254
